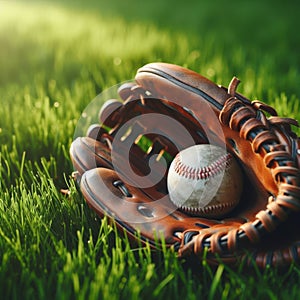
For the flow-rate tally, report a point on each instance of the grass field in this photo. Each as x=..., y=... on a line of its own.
x=54, y=59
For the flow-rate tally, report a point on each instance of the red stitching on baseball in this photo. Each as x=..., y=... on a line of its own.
x=210, y=209
x=205, y=172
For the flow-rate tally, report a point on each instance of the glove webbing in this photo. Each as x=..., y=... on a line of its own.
x=252, y=125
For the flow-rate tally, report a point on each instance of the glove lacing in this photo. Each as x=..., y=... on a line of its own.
x=253, y=125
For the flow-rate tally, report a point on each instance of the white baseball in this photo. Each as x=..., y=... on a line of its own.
x=205, y=180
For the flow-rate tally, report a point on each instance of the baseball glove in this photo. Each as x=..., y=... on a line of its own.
x=122, y=165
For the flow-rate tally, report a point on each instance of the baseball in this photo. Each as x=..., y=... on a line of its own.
x=205, y=180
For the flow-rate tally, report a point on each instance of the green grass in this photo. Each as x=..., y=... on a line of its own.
x=54, y=59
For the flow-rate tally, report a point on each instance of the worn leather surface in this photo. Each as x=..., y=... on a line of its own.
x=115, y=179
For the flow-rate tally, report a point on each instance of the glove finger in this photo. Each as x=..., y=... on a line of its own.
x=135, y=211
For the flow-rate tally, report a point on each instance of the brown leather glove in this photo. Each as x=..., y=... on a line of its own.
x=122, y=166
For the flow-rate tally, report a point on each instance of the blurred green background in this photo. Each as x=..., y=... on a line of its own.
x=228, y=37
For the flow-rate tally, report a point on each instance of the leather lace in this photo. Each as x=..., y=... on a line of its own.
x=253, y=125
